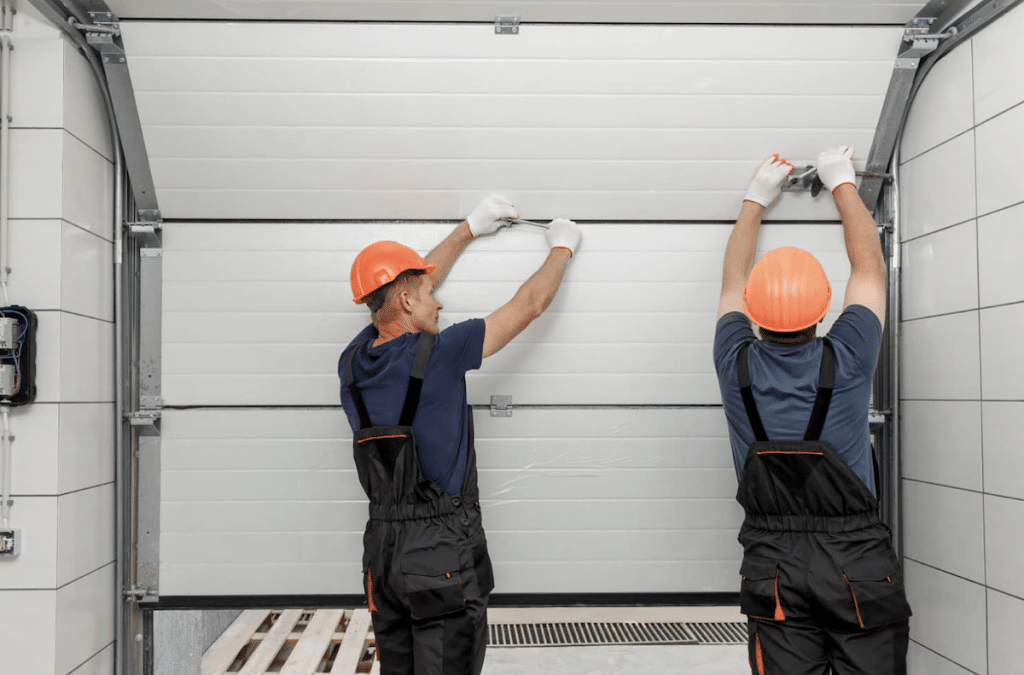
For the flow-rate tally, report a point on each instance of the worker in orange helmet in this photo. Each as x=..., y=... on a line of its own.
x=820, y=583
x=426, y=570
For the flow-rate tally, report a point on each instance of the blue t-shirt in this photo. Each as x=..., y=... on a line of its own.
x=441, y=425
x=784, y=380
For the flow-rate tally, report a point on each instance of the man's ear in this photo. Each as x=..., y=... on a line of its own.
x=405, y=300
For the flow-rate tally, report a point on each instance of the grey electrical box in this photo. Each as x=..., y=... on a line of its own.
x=10, y=544
x=8, y=385
x=8, y=333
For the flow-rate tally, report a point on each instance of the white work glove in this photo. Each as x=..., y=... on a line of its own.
x=835, y=167
x=766, y=185
x=564, y=233
x=490, y=214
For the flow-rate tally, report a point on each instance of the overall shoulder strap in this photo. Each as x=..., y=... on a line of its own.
x=826, y=382
x=419, y=369
x=412, y=393
x=748, y=396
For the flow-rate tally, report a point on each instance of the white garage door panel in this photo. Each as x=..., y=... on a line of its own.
x=367, y=121
x=258, y=501
x=258, y=314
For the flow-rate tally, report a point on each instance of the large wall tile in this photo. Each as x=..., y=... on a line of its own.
x=1002, y=369
x=36, y=83
x=1003, y=427
x=85, y=445
x=1004, y=555
x=949, y=615
x=85, y=619
x=1000, y=142
x=922, y=661
x=940, y=272
x=35, y=187
x=940, y=358
x=1005, y=628
x=36, y=566
x=998, y=53
x=35, y=277
x=87, y=282
x=48, y=357
x=85, y=115
x=34, y=451
x=944, y=528
x=86, y=359
x=88, y=188
x=937, y=188
x=941, y=110
x=942, y=442
x=1000, y=238
x=85, y=538
x=27, y=632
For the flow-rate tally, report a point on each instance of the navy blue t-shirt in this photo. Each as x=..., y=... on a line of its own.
x=784, y=380
x=441, y=425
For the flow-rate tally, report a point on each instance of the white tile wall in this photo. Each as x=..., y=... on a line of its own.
x=48, y=357
x=922, y=661
x=1003, y=425
x=34, y=455
x=35, y=187
x=997, y=51
x=86, y=359
x=1000, y=235
x=944, y=528
x=87, y=282
x=1000, y=141
x=27, y=631
x=940, y=272
x=944, y=361
x=36, y=69
x=941, y=110
x=85, y=619
x=84, y=114
x=1005, y=625
x=1004, y=552
x=927, y=209
x=35, y=568
x=86, y=446
x=942, y=442
x=35, y=279
x=88, y=184
x=949, y=615
x=85, y=538
x=1002, y=371
x=101, y=664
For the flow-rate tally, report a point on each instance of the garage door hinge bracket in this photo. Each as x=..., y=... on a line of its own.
x=137, y=595
x=506, y=25
x=501, y=405
x=148, y=230
x=922, y=41
x=145, y=422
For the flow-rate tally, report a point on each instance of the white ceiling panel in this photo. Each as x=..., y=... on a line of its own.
x=532, y=11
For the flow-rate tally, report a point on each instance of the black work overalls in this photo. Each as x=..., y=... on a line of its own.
x=821, y=585
x=426, y=569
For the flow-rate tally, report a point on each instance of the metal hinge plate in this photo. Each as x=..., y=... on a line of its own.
x=506, y=25
x=501, y=405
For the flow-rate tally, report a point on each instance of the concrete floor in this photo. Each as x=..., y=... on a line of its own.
x=617, y=660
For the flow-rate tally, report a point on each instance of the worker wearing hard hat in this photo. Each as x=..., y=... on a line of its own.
x=426, y=570
x=821, y=585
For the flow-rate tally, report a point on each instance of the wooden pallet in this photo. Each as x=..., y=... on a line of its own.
x=295, y=642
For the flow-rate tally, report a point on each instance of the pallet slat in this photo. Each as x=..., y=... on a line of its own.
x=222, y=654
x=271, y=645
x=309, y=651
x=353, y=645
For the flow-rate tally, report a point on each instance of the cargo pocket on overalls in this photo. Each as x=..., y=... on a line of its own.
x=432, y=582
x=876, y=590
x=759, y=589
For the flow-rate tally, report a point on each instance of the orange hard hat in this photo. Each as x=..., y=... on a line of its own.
x=379, y=264
x=787, y=290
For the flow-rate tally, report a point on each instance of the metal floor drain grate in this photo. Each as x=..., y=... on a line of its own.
x=614, y=633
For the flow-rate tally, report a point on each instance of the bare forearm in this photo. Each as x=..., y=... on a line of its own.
x=862, y=242
x=742, y=246
x=539, y=290
x=444, y=254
